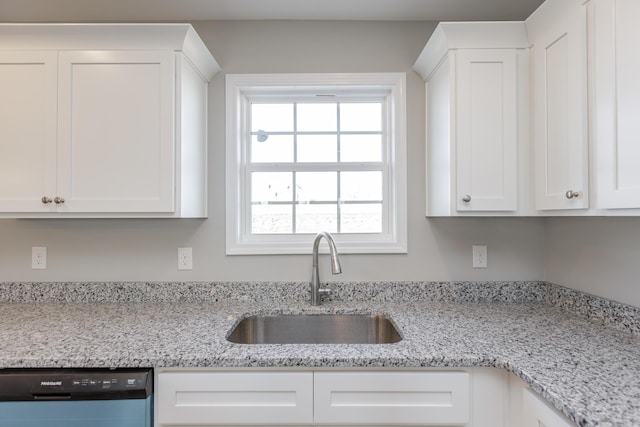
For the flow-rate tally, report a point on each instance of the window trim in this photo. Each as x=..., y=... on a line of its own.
x=240, y=243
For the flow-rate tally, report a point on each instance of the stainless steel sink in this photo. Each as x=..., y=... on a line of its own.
x=315, y=329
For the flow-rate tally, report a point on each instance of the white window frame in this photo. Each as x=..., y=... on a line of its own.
x=239, y=240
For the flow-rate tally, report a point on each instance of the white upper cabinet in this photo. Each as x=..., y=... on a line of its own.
x=103, y=120
x=116, y=127
x=615, y=34
x=571, y=71
x=557, y=31
x=28, y=108
x=476, y=89
x=487, y=130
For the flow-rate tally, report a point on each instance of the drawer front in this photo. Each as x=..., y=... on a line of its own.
x=392, y=398
x=235, y=398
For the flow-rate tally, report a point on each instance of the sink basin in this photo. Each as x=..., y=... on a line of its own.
x=315, y=329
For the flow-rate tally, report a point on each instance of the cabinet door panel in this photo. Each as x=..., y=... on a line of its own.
x=617, y=102
x=116, y=131
x=560, y=106
x=27, y=130
x=486, y=130
x=536, y=413
x=232, y=398
x=391, y=398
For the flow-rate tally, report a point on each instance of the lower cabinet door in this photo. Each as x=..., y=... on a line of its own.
x=536, y=413
x=248, y=398
x=391, y=398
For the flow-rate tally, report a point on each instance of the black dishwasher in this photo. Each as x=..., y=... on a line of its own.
x=76, y=397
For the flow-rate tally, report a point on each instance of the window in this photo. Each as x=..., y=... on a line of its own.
x=316, y=152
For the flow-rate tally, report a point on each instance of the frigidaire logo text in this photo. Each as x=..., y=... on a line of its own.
x=50, y=382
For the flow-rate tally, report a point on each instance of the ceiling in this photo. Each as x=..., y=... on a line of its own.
x=196, y=10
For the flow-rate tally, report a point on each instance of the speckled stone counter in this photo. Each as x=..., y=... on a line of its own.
x=587, y=366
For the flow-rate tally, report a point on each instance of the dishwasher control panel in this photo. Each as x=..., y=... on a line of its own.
x=70, y=384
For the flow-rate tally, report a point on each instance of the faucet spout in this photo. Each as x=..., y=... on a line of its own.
x=336, y=268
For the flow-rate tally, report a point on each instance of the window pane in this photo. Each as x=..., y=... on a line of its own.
x=276, y=149
x=356, y=218
x=361, y=117
x=316, y=186
x=315, y=218
x=317, y=148
x=272, y=117
x=361, y=186
x=361, y=148
x=317, y=118
x=271, y=187
x=271, y=219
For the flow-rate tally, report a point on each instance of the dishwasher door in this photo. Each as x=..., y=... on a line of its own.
x=76, y=397
x=77, y=413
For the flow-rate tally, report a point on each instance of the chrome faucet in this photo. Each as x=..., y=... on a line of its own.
x=316, y=291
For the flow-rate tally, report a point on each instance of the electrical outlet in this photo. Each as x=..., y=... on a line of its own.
x=479, y=256
x=185, y=259
x=39, y=258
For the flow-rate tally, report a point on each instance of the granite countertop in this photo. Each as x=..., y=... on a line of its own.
x=585, y=367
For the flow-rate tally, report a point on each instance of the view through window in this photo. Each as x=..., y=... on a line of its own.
x=316, y=166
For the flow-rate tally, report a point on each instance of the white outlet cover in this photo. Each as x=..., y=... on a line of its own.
x=479, y=256
x=185, y=259
x=39, y=258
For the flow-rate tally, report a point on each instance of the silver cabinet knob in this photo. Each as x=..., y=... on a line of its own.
x=570, y=194
x=58, y=200
x=46, y=200
x=466, y=198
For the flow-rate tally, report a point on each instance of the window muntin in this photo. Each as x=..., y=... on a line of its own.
x=304, y=150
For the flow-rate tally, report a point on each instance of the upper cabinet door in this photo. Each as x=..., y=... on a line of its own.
x=27, y=131
x=486, y=106
x=116, y=131
x=477, y=119
x=616, y=33
x=557, y=31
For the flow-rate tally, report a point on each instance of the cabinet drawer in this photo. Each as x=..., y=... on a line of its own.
x=392, y=398
x=235, y=398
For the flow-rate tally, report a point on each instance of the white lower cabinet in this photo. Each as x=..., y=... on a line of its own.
x=537, y=413
x=386, y=398
x=465, y=397
x=232, y=398
x=263, y=397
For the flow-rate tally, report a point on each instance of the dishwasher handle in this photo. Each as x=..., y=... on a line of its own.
x=54, y=397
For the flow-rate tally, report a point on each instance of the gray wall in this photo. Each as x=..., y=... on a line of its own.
x=600, y=256
x=439, y=249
